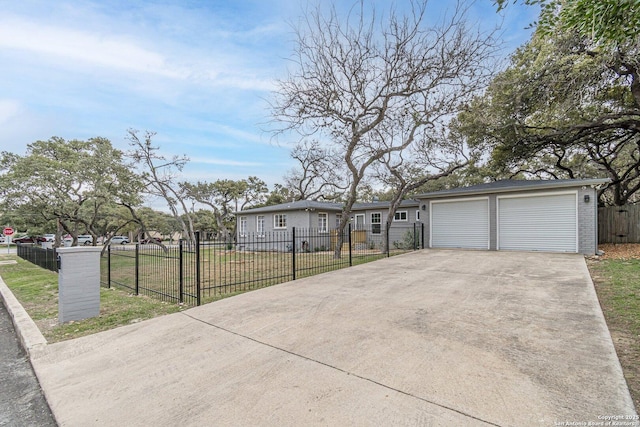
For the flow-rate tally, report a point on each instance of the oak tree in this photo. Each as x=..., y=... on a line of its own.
x=372, y=84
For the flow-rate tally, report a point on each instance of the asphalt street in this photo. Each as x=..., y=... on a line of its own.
x=21, y=400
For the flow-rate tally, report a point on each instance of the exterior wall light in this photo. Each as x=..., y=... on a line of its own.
x=586, y=198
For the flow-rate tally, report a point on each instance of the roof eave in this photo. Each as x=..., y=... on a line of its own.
x=544, y=185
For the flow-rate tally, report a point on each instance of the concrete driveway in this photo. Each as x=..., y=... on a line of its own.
x=436, y=337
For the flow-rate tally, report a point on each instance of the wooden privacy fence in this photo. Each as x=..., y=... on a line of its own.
x=619, y=224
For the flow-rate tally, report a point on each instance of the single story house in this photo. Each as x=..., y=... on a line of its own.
x=316, y=223
x=266, y=228
x=550, y=216
x=373, y=217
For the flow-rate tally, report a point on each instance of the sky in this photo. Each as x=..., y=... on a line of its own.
x=198, y=73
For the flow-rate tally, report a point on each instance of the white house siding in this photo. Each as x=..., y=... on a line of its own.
x=398, y=230
x=280, y=239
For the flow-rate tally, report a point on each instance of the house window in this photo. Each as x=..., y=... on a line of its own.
x=400, y=216
x=322, y=222
x=260, y=225
x=359, y=221
x=243, y=226
x=280, y=221
x=376, y=223
x=418, y=215
x=338, y=220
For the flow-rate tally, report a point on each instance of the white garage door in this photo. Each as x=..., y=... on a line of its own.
x=460, y=224
x=538, y=223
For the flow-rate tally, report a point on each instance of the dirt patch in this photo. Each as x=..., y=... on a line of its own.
x=620, y=250
x=629, y=356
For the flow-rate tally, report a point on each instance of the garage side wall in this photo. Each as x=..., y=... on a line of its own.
x=587, y=221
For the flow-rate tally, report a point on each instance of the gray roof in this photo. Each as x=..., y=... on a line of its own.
x=383, y=205
x=511, y=185
x=300, y=205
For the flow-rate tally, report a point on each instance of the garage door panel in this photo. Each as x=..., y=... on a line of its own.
x=460, y=224
x=538, y=223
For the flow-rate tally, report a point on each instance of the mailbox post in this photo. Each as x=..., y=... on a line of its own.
x=78, y=283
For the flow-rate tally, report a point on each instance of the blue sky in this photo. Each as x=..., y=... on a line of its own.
x=198, y=73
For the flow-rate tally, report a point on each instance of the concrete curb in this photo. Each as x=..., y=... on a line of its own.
x=30, y=336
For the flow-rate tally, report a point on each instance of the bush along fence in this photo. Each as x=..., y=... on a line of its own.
x=198, y=272
x=42, y=257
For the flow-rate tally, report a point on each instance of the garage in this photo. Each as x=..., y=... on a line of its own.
x=538, y=222
x=515, y=215
x=460, y=224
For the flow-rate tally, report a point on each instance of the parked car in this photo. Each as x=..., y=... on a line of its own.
x=83, y=239
x=122, y=240
x=2, y=239
x=50, y=237
x=155, y=240
x=29, y=239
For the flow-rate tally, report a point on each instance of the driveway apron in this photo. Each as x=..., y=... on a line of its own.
x=435, y=337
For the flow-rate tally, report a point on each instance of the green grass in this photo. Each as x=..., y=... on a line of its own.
x=222, y=272
x=37, y=291
x=617, y=283
x=619, y=292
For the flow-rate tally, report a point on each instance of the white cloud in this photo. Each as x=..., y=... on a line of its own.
x=8, y=110
x=103, y=50
x=239, y=135
x=224, y=162
x=216, y=64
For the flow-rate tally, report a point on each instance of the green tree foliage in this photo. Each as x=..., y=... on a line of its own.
x=568, y=106
x=226, y=196
x=603, y=21
x=158, y=222
x=279, y=194
x=70, y=182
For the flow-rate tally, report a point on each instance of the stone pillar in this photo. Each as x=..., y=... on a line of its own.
x=78, y=283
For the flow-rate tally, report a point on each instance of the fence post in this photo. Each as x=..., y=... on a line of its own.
x=415, y=236
x=78, y=283
x=386, y=243
x=198, y=301
x=137, y=270
x=109, y=266
x=180, y=271
x=422, y=233
x=350, y=254
x=293, y=253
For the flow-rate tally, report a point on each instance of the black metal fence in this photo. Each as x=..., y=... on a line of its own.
x=168, y=273
x=45, y=258
x=203, y=271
